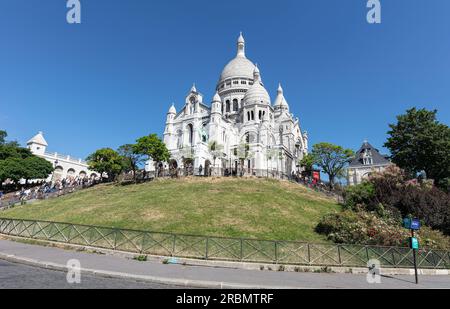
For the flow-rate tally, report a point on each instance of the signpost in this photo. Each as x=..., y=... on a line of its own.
x=413, y=225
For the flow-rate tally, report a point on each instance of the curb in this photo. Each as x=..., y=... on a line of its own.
x=232, y=264
x=153, y=279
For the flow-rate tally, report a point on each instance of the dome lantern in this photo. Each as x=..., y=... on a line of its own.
x=241, y=46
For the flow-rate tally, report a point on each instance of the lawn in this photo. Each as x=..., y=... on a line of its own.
x=253, y=208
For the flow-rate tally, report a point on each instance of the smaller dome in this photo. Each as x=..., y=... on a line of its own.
x=172, y=109
x=280, y=101
x=257, y=93
x=217, y=97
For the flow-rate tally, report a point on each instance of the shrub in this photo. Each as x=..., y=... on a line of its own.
x=358, y=196
x=391, y=192
x=431, y=205
x=368, y=228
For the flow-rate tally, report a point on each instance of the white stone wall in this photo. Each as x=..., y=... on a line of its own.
x=356, y=175
x=65, y=166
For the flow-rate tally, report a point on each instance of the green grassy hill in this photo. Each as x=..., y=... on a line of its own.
x=253, y=208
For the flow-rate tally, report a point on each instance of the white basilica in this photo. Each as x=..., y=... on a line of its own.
x=242, y=132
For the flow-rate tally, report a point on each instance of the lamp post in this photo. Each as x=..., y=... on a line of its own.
x=54, y=168
x=267, y=158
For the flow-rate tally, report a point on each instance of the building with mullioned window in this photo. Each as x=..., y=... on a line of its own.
x=367, y=160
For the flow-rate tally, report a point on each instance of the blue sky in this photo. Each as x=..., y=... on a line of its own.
x=111, y=79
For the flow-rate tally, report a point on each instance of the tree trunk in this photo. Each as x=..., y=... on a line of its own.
x=331, y=182
x=134, y=174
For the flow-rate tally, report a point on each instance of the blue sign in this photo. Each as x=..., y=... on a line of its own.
x=414, y=243
x=407, y=223
x=415, y=224
x=411, y=224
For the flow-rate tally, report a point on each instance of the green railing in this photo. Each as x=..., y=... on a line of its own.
x=224, y=249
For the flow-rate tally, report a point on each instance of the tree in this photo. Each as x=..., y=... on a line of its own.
x=11, y=168
x=131, y=159
x=332, y=159
x=418, y=142
x=307, y=163
x=243, y=153
x=154, y=148
x=18, y=163
x=107, y=161
x=271, y=153
x=216, y=151
x=3, y=136
x=36, y=168
x=13, y=150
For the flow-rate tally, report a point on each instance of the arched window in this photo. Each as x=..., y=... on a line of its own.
x=204, y=134
x=191, y=134
x=228, y=106
x=248, y=116
x=235, y=105
x=260, y=115
x=253, y=115
x=180, y=139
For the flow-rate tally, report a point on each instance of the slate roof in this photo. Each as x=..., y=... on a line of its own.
x=377, y=158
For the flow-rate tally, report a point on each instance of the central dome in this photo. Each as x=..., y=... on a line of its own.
x=240, y=66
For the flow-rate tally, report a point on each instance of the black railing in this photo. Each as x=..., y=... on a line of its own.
x=224, y=249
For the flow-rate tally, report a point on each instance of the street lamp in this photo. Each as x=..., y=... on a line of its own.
x=54, y=168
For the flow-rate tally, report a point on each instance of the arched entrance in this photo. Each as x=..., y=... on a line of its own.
x=70, y=173
x=173, y=168
x=208, y=168
x=58, y=173
x=188, y=164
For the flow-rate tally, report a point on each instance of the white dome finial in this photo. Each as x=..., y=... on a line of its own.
x=193, y=89
x=280, y=89
x=241, y=46
x=256, y=74
x=241, y=38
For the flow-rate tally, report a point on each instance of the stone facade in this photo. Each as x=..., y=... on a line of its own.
x=65, y=166
x=240, y=131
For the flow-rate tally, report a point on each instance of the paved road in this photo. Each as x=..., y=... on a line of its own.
x=175, y=275
x=17, y=276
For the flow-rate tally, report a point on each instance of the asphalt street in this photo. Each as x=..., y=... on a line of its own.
x=132, y=273
x=18, y=276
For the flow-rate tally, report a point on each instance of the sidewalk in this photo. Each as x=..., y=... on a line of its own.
x=199, y=276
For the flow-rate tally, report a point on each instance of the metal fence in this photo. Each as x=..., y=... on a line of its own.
x=224, y=249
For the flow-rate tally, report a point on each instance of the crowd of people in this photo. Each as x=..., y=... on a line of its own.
x=47, y=188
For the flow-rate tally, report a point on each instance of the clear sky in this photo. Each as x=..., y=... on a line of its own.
x=112, y=78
